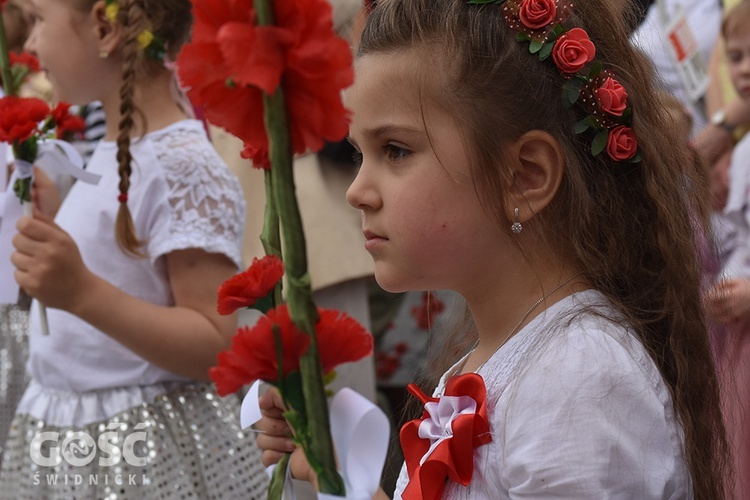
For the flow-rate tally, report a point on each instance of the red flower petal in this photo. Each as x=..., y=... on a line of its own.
x=341, y=339
x=302, y=50
x=20, y=117
x=242, y=290
x=252, y=355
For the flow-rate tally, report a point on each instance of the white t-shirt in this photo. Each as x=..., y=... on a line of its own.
x=182, y=195
x=577, y=410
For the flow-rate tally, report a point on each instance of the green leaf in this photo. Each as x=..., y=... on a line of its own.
x=574, y=90
x=291, y=388
x=276, y=487
x=600, y=142
x=582, y=126
x=522, y=37
x=22, y=189
x=481, y=2
x=535, y=46
x=595, y=69
x=636, y=158
x=546, y=51
x=264, y=304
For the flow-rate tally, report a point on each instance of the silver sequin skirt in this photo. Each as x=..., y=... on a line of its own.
x=14, y=351
x=187, y=443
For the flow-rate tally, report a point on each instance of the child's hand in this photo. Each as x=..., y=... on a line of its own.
x=729, y=300
x=48, y=264
x=44, y=194
x=276, y=441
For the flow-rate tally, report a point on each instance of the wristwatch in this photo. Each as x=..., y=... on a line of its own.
x=720, y=120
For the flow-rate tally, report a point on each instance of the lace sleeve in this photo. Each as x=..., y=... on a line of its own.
x=205, y=198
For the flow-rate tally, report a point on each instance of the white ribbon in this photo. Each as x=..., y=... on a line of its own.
x=54, y=156
x=439, y=427
x=360, y=432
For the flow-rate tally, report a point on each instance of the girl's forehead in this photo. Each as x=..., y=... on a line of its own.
x=404, y=79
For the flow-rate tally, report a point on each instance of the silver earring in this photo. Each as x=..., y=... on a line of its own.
x=516, y=227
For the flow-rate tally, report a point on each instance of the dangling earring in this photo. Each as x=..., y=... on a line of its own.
x=516, y=227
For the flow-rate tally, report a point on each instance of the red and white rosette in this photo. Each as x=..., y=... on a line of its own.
x=441, y=444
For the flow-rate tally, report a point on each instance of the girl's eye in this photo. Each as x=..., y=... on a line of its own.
x=734, y=56
x=394, y=152
x=357, y=157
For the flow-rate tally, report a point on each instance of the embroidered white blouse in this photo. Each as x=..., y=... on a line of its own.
x=182, y=196
x=577, y=409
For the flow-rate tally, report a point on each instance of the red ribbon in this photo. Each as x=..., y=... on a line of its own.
x=453, y=457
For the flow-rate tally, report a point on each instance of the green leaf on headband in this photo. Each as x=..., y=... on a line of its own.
x=480, y=2
x=595, y=69
x=600, y=142
x=546, y=51
x=535, y=46
x=582, y=126
x=636, y=158
x=573, y=90
x=522, y=37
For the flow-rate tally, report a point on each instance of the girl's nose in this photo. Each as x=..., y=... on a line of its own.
x=362, y=192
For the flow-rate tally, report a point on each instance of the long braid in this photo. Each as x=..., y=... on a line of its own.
x=134, y=22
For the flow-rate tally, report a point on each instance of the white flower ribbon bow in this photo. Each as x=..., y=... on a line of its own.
x=360, y=432
x=438, y=427
x=54, y=156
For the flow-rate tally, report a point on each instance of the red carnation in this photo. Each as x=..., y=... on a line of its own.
x=572, y=51
x=24, y=59
x=66, y=123
x=621, y=143
x=253, y=353
x=537, y=14
x=230, y=60
x=20, y=117
x=612, y=97
x=244, y=289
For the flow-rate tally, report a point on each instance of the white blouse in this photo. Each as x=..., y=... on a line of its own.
x=577, y=409
x=182, y=196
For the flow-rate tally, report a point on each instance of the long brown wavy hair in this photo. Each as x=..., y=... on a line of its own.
x=633, y=228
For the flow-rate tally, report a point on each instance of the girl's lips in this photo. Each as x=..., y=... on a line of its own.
x=373, y=240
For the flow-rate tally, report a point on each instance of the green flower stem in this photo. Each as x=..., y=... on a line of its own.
x=270, y=236
x=299, y=294
x=5, y=60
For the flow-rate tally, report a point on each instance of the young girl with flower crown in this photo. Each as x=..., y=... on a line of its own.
x=128, y=269
x=517, y=153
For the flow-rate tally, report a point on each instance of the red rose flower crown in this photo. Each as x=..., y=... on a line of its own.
x=588, y=84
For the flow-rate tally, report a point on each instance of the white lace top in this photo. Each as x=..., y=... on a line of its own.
x=577, y=410
x=182, y=196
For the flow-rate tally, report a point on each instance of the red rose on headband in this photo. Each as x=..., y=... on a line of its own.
x=612, y=97
x=621, y=143
x=572, y=51
x=537, y=14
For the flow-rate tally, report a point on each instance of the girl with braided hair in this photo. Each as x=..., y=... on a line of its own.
x=119, y=404
x=517, y=152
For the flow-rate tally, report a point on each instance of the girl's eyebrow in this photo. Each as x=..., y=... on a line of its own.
x=391, y=129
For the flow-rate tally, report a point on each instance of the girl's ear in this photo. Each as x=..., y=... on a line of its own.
x=538, y=167
x=108, y=33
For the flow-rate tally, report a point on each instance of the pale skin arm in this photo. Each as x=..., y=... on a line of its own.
x=729, y=300
x=275, y=441
x=183, y=339
x=714, y=141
